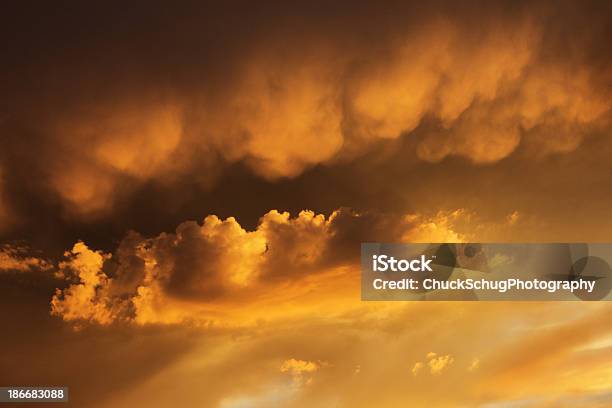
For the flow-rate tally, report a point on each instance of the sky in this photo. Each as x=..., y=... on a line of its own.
x=184, y=189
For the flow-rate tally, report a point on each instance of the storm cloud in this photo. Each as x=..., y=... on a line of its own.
x=95, y=114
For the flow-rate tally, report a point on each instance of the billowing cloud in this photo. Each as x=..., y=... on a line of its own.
x=201, y=272
x=111, y=144
x=87, y=299
x=468, y=82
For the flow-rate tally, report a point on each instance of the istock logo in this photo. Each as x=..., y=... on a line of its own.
x=383, y=263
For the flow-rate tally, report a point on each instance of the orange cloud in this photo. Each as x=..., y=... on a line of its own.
x=207, y=273
x=301, y=371
x=476, y=91
x=85, y=300
x=15, y=258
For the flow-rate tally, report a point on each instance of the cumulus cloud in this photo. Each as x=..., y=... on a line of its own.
x=87, y=299
x=186, y=275
x=301, y=371
x=437, y=364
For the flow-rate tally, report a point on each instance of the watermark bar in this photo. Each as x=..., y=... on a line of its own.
x=475, y=271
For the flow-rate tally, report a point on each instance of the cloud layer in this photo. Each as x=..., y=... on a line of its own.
x=282, y=94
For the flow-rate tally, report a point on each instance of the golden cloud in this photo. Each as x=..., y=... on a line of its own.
x=206, y=273
x=86, y=300
x=437, y=364
x=301, y=371
x=284, y=105
x=16, y=258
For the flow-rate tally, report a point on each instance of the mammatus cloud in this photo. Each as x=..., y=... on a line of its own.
x=289, y=117
x=459, y=82
x=129, y=142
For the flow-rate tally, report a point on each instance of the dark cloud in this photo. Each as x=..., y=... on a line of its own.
x=143, y=116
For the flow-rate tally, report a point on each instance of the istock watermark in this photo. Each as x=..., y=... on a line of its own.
x=383, y=263
x=473, y=271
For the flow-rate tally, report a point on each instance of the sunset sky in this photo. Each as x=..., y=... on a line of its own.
x=184, y=188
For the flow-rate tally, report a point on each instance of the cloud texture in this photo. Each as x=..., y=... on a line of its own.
x=199, y=273
x=392, y=121
x=108, y=111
